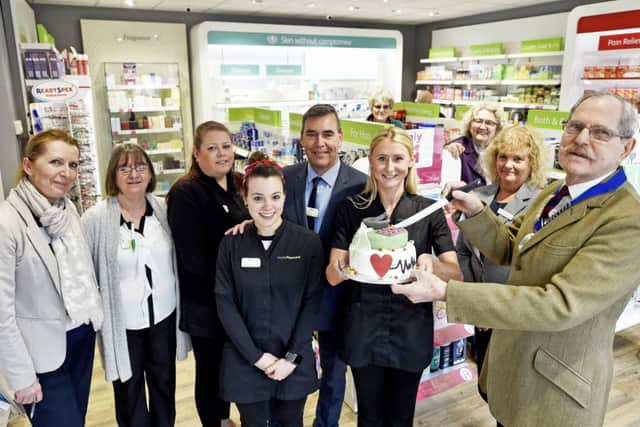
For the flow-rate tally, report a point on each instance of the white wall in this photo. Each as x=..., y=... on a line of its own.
x=509, y=32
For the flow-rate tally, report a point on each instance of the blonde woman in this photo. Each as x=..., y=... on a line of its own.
x=385, y=339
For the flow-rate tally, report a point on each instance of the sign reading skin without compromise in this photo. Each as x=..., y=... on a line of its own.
x=546, y=119
x=299, y=40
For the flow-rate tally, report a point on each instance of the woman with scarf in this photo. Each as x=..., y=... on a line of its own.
x=49, y=301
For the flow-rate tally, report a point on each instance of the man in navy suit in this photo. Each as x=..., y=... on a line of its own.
x=321, y=138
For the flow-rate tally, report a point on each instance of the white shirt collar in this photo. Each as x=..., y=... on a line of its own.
x=576, y=190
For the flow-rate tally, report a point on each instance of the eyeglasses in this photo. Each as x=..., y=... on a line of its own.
x=596, y=133
x=126, y=170
x=381, y=107
x=487, y=123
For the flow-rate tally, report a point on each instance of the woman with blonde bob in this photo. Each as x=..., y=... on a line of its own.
x=517, y=163
x=385, y=339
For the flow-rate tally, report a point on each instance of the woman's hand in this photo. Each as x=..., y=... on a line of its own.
x=280, y=370
x=338, y=260
x=265, y=362
x=30, y=394
x=455, y=148
x=238, y=228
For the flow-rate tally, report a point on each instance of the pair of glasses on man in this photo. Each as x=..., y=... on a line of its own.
x=596, y=133
x=487, y=122
x=126, y=170
x=381, y=107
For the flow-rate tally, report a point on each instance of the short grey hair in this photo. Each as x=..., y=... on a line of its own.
x=628, y=124
x=381, y=95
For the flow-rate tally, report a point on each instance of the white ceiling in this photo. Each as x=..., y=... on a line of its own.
x=409, y=12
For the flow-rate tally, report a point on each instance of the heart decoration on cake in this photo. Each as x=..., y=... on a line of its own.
x=381, y=264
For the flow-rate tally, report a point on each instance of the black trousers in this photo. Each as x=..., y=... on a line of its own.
x=386, y=396
x=281, y=413
x=152, y=352
x=207, y=353
x=480, y=350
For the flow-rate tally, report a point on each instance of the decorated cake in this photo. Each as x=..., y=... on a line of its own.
x=384, y=255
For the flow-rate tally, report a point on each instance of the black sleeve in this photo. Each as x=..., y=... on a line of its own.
x=186, y=219
x=226, y=302
x=441, y=234
x=343, y=225
x=311, y=299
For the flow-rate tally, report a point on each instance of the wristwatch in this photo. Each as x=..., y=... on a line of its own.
x=294, y=358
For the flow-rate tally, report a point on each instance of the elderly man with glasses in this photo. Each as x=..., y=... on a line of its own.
x=573, y=258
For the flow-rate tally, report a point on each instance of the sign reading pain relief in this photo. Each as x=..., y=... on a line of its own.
x=619, y=41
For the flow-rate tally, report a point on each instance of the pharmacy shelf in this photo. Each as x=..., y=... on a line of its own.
x=503, y=104
x=535, y=54
x=143, y=109
x=439, y=60
x=612, y=53
x=490, y=82
x=444, y=379
x=242, y=152
x=285, y=103
x=146, y=131
x=483, y=57
x=141, y=87
x=164, y=151
x=606, y=83
x=171, y=171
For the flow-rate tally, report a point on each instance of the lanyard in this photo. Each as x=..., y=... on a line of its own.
x=613, y=183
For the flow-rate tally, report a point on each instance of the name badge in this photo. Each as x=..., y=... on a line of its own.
x=505, y=214
x=250, y=262
x=226, y=208
x=524, y=240
x=313, y=212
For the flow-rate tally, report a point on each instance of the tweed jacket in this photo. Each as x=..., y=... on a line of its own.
x=550, y=359
x=33, y=319
x=476, y=267
x=101, y=225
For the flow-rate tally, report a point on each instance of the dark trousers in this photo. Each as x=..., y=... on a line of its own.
x=207, y=353
x=152, y=353
x=480, y=350
x=65, y=391
x=283, y=413
x=386, y=396
x=333, y=381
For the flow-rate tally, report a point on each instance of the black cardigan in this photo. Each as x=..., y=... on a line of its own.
x=199, y=212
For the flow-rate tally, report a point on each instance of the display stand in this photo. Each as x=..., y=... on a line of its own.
x=144, y=106
x=65, y=102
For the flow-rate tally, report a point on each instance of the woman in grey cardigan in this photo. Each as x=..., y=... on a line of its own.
x=134, y=258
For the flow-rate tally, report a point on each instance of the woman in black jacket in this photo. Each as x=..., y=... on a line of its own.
x=268, y=294
x=202, y=205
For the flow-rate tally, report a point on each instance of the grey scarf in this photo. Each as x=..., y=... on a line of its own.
x=77, y=277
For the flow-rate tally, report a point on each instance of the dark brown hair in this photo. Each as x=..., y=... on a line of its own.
x=263, y=169
x=37, y=146
x=126, y=151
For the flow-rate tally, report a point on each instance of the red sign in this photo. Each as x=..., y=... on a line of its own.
x=619, y=41
x=609, y=21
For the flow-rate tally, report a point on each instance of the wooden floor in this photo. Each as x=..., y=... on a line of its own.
x=457, y=407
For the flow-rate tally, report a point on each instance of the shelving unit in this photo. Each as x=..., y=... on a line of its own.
x=544, y=92
x=145, y=108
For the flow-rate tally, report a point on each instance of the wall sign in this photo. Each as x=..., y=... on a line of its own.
x=619, y=41
x=303, y=40
x=54, y=90
x=442, y=52
x=486, y=49
x=546, y=119
x=239, y=69
x=554, y=44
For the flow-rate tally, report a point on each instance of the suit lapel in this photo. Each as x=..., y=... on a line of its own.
x=38, y=241
x=299, y=202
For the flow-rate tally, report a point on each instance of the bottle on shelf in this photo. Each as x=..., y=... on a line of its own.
x=132, y=121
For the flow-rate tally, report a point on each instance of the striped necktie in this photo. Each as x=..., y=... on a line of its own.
x=548, y=212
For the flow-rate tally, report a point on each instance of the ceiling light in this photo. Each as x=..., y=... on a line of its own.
x=385, y=1
x=257, y=1
x=434, y=13
x=354, y=8
x=396, y=11
x=129, y=3
x=311, y=5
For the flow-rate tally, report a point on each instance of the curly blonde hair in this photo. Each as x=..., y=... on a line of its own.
x=491, y=107
x=517, y=138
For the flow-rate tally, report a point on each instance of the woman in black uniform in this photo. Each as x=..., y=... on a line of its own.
x=202, y=205
x=268, y=293
x=386, y=340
